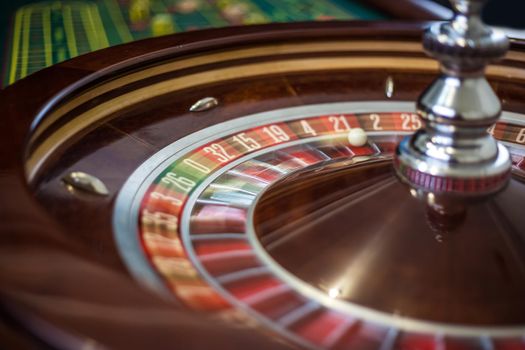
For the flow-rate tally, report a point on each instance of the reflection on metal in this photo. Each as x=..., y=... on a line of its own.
x=389, y=87
x=453, y=148
x=204, y=104
x=78, y=180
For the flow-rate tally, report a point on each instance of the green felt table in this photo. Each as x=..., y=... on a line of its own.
x=39, y=34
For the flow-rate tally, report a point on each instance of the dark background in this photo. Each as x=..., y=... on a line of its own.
x=504, y=13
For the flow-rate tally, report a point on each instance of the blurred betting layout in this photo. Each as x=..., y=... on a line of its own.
x=45, y=33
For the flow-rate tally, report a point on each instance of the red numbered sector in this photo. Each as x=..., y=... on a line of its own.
x=162, y=199
x=159, y=223
x=160, y=245
x=245, y=142
x=273, y=134
x=407, y=122
x=176, y=269
x=340, y=123
x=520, y=136
x=508, y=132
x=497, y=130
x=377, y=122
x=219, y=152
x=310, y=127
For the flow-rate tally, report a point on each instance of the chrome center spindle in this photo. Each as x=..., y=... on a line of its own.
x=454, y=153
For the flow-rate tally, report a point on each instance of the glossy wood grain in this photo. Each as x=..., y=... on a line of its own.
x=59, y=268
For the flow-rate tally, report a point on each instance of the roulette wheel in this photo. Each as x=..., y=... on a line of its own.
x=244, y=187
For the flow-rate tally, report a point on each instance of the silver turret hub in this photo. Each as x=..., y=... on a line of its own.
x=454, y=153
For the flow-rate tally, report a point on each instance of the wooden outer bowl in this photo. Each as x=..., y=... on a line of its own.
x=61, y=279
